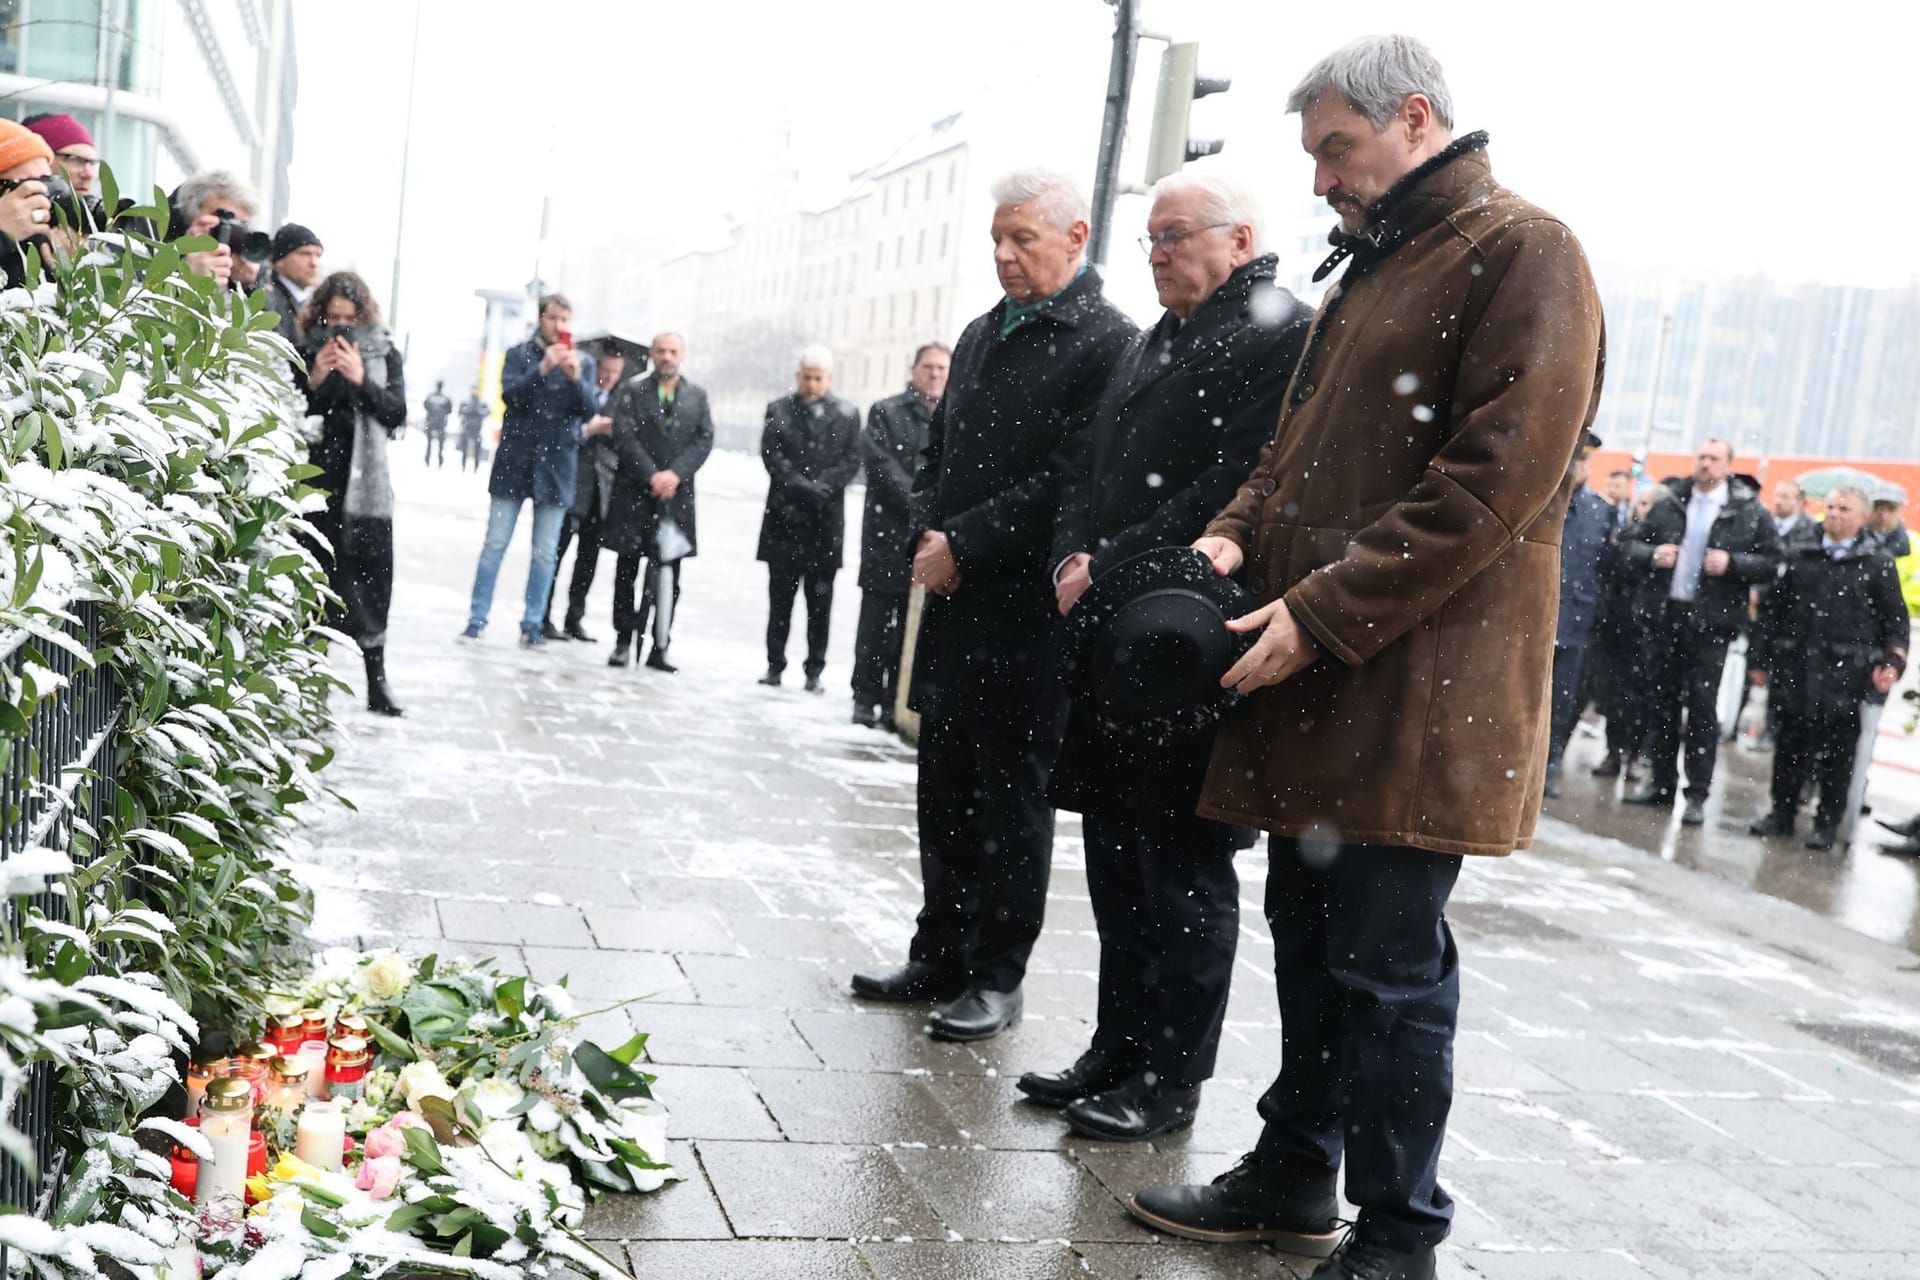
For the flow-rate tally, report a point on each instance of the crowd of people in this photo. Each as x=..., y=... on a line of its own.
x=1658, y=581
x=1251, y=569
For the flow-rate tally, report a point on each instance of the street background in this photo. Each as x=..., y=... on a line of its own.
x=1660, y=1071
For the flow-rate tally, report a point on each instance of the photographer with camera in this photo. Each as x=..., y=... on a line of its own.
x=356, y=386
x=28, y=190
x=220, y=204
x=72, y=149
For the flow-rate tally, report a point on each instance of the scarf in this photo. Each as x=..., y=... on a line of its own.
x=369, y=483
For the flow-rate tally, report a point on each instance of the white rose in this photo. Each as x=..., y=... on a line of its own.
x=386, y=976
x=503, y=1141
x=494, y=1097
x=422, y=1080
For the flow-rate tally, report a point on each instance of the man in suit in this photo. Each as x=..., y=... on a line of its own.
x=1027, y=376
x=1583, y=544
x=1705, y=542
x=663, y=432
x=437, y=408
x=1185, y=412
x=592, y=494
x=896, y=434
x=473, y=419
x=811, y=448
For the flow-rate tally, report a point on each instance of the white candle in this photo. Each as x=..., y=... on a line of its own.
x=313, y=1057
x=226, y=1122
x=321, y=1137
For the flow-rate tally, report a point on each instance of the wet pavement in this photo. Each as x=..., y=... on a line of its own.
x=1660, y=1071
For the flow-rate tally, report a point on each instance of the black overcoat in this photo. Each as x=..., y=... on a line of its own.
x=1744, y=530
x=646, y=443
x=1178, y=430
x=812, y=453
x=1826, y=624
x=895, y=437
x=997, y=447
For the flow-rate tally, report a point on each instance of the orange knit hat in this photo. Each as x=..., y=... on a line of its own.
x=19, y=143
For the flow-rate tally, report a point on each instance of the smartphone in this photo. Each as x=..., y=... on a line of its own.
x=565, y=338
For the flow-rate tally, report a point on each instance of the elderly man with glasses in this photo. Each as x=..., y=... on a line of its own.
x=1179, y=427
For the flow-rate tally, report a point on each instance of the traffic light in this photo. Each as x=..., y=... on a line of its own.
x=1169, y=148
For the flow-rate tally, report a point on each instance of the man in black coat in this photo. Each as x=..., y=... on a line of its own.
x=1835, y=633
x=1185, y=413
x=663, y=433
x=592, y=493
x=1705, y=542
x=1583, y=544
x=811, y=448
x=896, y=434
x=1027, y=376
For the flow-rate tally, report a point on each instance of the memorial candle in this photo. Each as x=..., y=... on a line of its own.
x=227, y=1124
x=321, y=1137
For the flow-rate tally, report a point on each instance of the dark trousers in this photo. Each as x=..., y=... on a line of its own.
x=986, y=845
x=876, y=648
x=1167, y=905
x=1369, y=989
x=586, y=562
x=358, y=553
x=1567, y=661
x=1818, y=749
x=469, y=450
x=782, y=586
x=1625, y=705
x=437, y=440
x=1683, y=665
x=633, y=599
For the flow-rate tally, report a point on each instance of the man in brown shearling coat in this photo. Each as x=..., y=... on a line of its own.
x=1402, y=531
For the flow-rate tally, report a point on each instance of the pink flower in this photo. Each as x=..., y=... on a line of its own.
x=390, y=1139
x=378, y=1175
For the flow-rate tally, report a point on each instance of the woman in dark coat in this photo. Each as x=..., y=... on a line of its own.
x=356, y=385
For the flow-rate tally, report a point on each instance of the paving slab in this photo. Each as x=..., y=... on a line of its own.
x=815, y=1190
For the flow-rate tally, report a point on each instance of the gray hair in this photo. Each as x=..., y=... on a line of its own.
x=1055, y=195
x=240, y=194
x=1853, y=491
x=816, y=357
x=1376, y=75
x=1223, y=200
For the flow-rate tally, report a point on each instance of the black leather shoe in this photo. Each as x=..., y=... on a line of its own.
x=1822, y=837
x=1362, y=1259
x=981, y=1014
x=657, y=661
x=1247, y=1202
x=864, y=714
x=574, y=631
x=1141, y=1108
x=1694, y=815
x=771, y=679
x=1774, y=824
x=1650, y=796
x=1095, y=1071
x=813, y=685
x=913, y=980
x=551, y=632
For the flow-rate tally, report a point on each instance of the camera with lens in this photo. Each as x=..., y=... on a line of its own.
x=81, y=213
x=232, y=231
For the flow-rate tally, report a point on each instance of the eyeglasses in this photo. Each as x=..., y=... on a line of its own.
x=77, y=162
x=1171, y=240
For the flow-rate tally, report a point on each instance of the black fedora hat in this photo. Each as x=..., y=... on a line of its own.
x=1148, y=642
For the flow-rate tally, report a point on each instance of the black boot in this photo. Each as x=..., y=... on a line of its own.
x=379, y=697
x=657, y=661
x=622, y=642
x=1248, y=1202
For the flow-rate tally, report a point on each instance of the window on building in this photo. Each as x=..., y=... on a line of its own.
x=913, y=309
x=920, y=250
x=953, y=176
x=885, y=195
x=933, y=316
x=893, y=312
x=899, y=250
x=926, y=186
x=905, y=191
x=879, y=256
x=873, y=311
x=946, y=231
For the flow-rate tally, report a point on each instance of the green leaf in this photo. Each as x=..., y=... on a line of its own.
x=633, y=1155
x=407, y=1217
x=387, y=1040
x=423, y=1153
x=510, y=997
x=319, y=1224
x=631, y=1050
x=609, y=1075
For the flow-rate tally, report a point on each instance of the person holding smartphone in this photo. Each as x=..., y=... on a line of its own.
x=356, y=386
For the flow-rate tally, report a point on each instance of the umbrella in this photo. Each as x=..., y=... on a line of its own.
x=1820, y=483
x=636, y=351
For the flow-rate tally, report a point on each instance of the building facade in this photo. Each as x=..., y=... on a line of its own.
x=166, y=87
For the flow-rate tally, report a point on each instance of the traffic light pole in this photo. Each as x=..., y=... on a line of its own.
x=1113, y=129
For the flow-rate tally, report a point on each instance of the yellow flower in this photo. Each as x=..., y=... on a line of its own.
x=291, y=1168
x=261, y=1189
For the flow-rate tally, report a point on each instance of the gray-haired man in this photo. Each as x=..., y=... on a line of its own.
x=1025, y=379
x=811, y=448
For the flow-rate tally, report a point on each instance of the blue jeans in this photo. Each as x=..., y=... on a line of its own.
x=501, y=517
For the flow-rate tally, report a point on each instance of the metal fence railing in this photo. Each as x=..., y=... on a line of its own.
x=62, y=769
